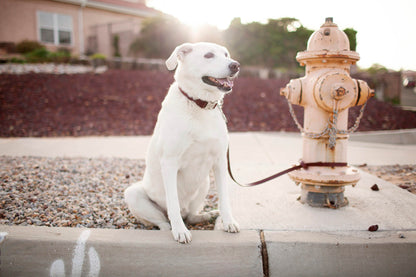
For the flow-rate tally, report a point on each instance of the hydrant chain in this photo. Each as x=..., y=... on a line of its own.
x=308, y=134
x=356, y=123
x=330, y=127
x=292, y=113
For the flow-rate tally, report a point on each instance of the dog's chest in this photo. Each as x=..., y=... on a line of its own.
x=207, y=141
x=207, y=136
x=202, y=153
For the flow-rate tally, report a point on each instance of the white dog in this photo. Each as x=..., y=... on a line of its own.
x=190, y=138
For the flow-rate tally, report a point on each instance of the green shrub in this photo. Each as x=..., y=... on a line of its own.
x=98, y=56
x=27, y=46
x=116, y=46
x=40, y=55
x=60, y=56
x=35, y=52
x=98, y=59
x=17, y=60
x=64, y=50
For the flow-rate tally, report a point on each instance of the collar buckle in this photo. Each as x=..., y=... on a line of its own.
x=211, y=105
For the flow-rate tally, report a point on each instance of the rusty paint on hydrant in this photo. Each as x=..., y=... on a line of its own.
x=326, y=92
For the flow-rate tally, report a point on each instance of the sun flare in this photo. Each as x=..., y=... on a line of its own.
x=390, y=34
x=196, y=13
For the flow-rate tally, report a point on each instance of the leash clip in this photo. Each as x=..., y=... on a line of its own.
x=303, y=165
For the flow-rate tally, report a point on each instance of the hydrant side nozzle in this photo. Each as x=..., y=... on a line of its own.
x=365, y=92
x=293, y=91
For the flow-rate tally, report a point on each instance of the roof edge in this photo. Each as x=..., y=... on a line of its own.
x=109, y=7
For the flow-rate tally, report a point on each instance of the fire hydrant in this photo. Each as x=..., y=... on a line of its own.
x=326, y=92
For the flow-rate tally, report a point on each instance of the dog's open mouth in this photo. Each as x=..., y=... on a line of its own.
x=224, y=84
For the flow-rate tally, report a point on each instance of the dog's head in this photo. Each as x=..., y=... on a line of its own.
x=203, y=66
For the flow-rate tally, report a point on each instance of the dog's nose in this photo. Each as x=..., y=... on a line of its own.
x=234, y=67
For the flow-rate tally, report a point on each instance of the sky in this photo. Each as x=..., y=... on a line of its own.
x=386, y=28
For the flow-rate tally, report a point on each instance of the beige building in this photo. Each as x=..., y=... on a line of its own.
x=83, y=26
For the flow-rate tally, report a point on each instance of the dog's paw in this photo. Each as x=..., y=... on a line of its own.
x=231, y=227
x=181, y=234
x=214, y=213
x=203, y=217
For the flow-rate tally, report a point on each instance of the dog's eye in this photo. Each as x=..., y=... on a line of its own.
x=209, y=55
x=226, y=55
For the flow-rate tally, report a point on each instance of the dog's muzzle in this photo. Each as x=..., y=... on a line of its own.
x=234, y=68
x=224, y=84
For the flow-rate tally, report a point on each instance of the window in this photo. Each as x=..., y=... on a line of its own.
x=55, y=28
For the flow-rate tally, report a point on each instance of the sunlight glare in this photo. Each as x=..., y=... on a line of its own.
x=385, y=28
x=196, y=13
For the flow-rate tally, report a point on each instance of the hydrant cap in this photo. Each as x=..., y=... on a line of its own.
x=328, y=41
x=329, y=37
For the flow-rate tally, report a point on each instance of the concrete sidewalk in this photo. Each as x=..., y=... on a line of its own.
x=385, y=147
x=280, y=236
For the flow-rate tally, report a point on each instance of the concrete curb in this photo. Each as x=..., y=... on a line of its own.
x=337, y=254
x=45, y=251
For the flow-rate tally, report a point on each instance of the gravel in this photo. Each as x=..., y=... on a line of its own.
x=84, y=192
x=73, y=192
x=126, y=102
x=403, y=176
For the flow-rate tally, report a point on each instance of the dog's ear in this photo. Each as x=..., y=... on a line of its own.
x=177, y=55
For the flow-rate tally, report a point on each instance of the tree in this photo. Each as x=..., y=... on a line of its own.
x=352, y=36
x=159, y=36
x=273, y=44
x=245, y=42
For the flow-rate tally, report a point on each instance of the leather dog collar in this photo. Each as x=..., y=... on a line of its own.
x=201, y=103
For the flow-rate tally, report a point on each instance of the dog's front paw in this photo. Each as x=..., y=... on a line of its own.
x=231, y=226
x=181, y=234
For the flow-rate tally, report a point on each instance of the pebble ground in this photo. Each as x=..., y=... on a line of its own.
x=403, y=176
x=73, y=192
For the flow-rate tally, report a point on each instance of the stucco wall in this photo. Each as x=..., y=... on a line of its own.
x=18, y=21
x=104, y=25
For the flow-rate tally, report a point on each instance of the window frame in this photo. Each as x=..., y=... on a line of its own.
x=55, y=28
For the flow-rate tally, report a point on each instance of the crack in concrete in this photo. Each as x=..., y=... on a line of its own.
x=264, y=254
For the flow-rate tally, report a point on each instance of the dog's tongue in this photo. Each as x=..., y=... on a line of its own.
x=226, y=82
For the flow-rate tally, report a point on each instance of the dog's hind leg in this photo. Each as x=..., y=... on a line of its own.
x=202, y=217
x=196, y=215
x=143, y=208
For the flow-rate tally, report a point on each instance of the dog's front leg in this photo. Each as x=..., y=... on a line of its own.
x=220, y=173
x=169, y=174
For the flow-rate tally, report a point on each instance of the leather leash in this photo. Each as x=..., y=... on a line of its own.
x=211, y=105
x=296, y=167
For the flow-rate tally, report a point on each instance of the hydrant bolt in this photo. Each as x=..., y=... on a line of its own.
x=339, y=93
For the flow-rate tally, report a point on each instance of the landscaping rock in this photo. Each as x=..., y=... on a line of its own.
x=126, y=102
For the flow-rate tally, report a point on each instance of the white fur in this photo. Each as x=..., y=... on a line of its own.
x=187, y=143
